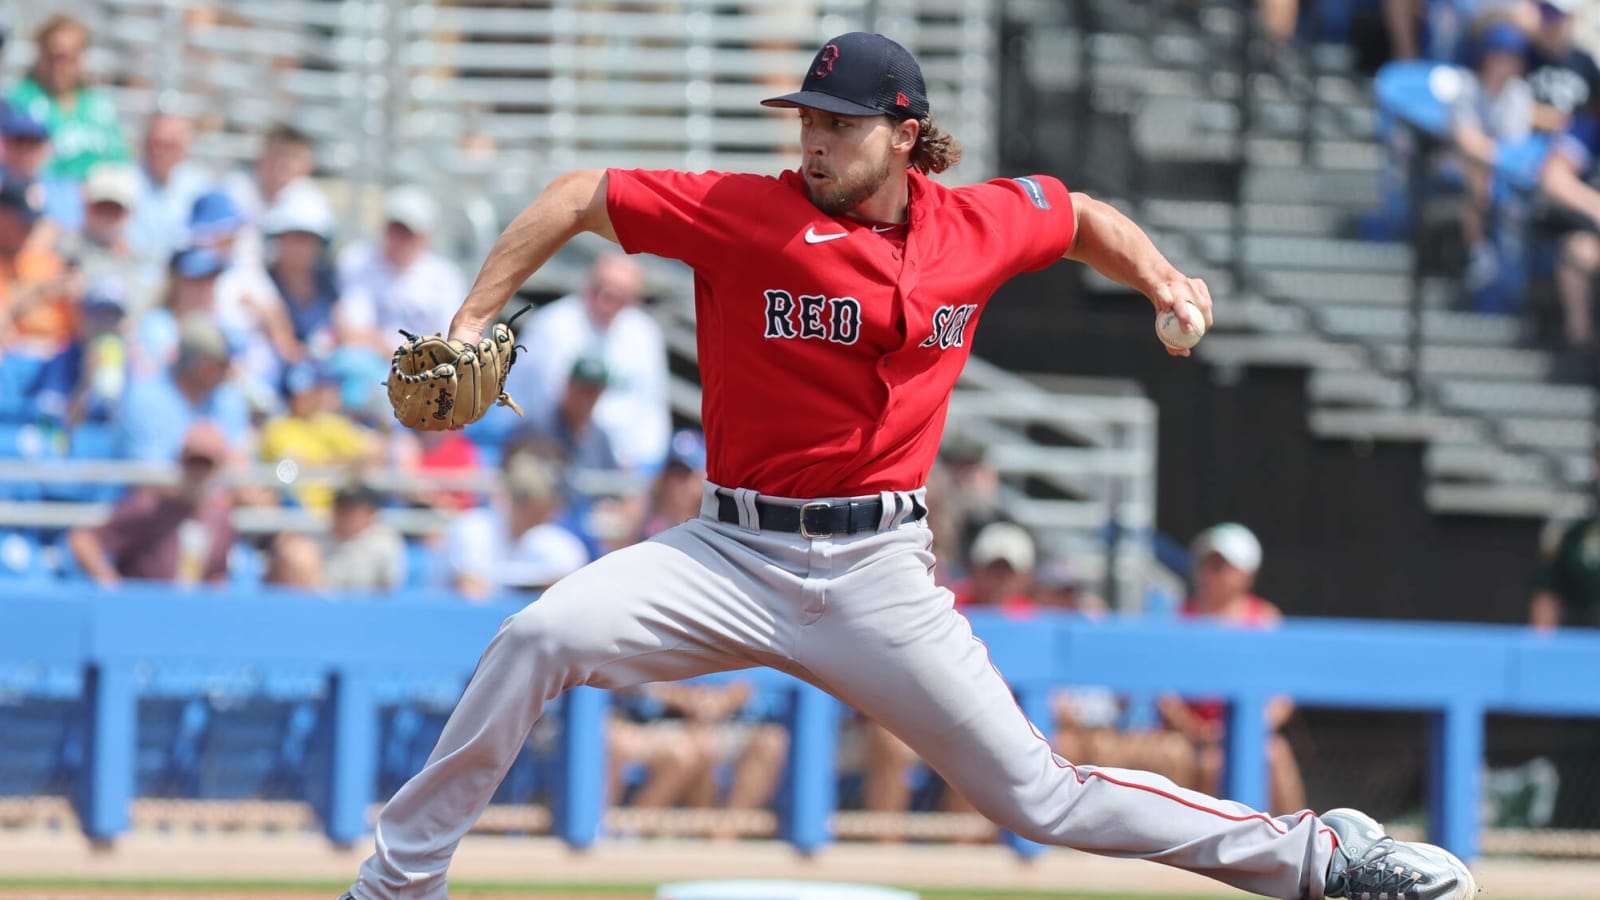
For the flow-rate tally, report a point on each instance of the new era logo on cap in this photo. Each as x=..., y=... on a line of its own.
x=861, y=74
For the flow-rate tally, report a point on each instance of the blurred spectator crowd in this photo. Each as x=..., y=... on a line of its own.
x=1504, y=100
x=221, y=330
x=219, y=323
x=219, y=326
x=224, y=327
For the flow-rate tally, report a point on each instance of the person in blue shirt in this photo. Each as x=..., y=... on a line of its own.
x=169, y=182
x=583, y=445
x=25, y=145
x=159, y=409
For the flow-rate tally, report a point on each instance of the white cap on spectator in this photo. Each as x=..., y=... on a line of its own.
x=412, y=207
x=110, y=182
x=1231, y=541
x=300, y=211
x=1006, y=541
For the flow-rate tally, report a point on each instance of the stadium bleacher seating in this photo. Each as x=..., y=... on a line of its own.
x=1307, y=289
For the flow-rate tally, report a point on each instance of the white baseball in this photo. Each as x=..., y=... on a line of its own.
x=1170, y=331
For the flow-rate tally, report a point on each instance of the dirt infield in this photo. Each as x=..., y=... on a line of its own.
x=245, y=894
x=67, y=891
x=292, y=859
x=532, y=892
x=60, y=864
x=159, y=894
x=114, y=892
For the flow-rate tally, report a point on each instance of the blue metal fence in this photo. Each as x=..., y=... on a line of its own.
x=358, y=654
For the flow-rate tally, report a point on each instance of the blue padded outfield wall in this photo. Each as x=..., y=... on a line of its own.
x=97, y=696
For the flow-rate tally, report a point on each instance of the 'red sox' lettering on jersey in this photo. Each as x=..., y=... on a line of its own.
x=813, y=316
x=950, y=326
x=862, y=331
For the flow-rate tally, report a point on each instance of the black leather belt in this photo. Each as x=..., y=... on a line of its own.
x=818, y=519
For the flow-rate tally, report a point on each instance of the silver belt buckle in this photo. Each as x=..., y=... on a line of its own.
x=813, y=535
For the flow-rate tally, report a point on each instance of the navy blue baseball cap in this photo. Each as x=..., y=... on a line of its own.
x=861, y=74
x=17, y=124
x=21, y=196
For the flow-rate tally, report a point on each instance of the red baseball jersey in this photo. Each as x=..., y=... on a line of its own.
x=828, y=348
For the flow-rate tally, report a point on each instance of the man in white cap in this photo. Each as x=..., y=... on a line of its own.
x=281, y=175
x=102, y=249
x=299, y=233
x=1226, y=558
x=398, y=282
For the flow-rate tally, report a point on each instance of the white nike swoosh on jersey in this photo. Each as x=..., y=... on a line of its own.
x=813, y=238
x=883, y=229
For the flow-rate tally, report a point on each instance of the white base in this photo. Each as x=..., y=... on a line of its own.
x=777, y=890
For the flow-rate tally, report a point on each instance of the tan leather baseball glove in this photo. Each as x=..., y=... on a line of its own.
x=436, y=384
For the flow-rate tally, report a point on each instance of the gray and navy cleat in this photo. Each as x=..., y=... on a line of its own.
x=1371, y=865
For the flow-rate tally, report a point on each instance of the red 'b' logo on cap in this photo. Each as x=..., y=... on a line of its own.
x=900, y=99
x=825, y=61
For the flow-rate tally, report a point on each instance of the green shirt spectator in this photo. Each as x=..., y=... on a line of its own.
x=83, y=124
x=1567, y=587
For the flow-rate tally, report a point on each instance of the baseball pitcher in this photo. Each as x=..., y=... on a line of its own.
x=836, y=305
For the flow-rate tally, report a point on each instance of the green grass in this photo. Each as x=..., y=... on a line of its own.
x=215, y=887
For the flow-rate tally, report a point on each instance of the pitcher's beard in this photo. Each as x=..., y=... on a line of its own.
x=839, y=196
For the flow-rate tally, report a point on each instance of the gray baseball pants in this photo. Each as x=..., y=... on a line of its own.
x=859, y=617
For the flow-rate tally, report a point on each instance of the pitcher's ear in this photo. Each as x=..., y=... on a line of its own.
x=906, y=133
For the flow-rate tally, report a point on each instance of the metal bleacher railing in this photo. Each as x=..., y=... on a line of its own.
x=101, y=480
x=108, y=649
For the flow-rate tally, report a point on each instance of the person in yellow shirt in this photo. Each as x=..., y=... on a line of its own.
x=314, y=434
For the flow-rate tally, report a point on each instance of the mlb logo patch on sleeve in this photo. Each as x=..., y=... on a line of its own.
x=1035, y=191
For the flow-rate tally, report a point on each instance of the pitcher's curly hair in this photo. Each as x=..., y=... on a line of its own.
x=936, y=150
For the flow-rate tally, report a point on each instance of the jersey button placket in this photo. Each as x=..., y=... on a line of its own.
x=886, y=367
